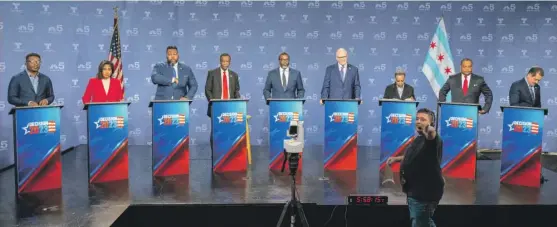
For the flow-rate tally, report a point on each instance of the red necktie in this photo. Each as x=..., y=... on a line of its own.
x=224, y=86
x=465, y=85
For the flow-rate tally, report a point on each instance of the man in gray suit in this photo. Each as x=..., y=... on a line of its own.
x=30, y=87
x=467, y=87
x=222, y=83
x=284, y=82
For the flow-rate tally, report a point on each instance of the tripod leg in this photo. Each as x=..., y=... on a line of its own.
x=302, y=215
x=279, y=223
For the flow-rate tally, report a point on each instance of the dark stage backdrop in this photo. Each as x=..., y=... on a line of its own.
x=503, y=38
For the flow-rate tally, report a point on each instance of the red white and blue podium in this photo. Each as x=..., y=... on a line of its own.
x=281, y=113
x=398, y=129
x=171, y=137
x=229, y=135
x=458, y=125
x=522, y=145
x=341, y=134
x=37, y=149
x=107, y=139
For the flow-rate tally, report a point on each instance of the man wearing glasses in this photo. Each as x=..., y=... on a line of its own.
x=30, y=87
x=284, y=82
x=342, y=80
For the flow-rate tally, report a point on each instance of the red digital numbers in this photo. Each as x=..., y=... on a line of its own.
x=167, y=121
x=104, y=124
x=34, y=129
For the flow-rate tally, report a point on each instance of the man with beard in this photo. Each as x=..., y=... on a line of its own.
x=420, y=170
x=174, y=80
x=284, y=82
x=30, y=87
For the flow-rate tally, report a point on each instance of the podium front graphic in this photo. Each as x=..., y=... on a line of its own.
x=229, y=135
x=281, y=113
x=458, y=125
x=522, y=146
x=107, y=129
x=341, y=134
x=171, y=136
x=398, y=129
x=37, y=149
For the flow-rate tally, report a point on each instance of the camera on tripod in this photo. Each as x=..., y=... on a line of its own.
x=293, y=146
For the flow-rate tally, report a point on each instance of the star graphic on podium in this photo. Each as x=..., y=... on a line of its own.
x=388, y=119
x=97, y=123
x=331, y=117
x=161, y=121
x=511, y=127
x=448, y=123
x=276, y=118
x=220, y=119
x=26, y=128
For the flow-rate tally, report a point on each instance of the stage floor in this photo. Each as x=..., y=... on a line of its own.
x=101, y=205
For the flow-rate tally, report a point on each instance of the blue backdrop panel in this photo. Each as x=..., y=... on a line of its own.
x=229, y=136
x=37, y=135
x=171, y=136
x=522, y=146
x=281, y=113
x=341, y=135
x=398, y=129
x=458, y=125
x=503, y=39
x=108, y=142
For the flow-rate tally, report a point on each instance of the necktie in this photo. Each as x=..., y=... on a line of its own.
x=283, y=79
x=465, y=86
x=342, y=74
x=532, y=93
x=224, y=86
x=175, y=75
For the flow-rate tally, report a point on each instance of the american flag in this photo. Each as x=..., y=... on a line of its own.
x=350, y=117
x=535, y=128
x=239, y=117
x=181, y=119
x=408, y=119
x=469, y=123
x=51, y=126
x=295, y=116
x=119, y=122
x=115, y=54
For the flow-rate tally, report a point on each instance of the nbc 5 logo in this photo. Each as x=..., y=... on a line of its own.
x=312, y=35
x=26, y=28
x=83, y=30
x=58, y=102
x=57, y=29
x=57, y=67
x=84, y=67
x=2, y=105
x=132, y=32
x=2, y=67
x=3, y=145
x=1, y=25
x=134, y=99
x=63, y=138
x=134, y=66
x=336, y=35
x=156, y=32
x=135, y=132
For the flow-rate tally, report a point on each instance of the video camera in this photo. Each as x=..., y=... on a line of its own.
x=293, y=146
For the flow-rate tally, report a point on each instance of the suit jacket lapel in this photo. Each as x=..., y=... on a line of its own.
x=459, y=84
x=41, y=84
x=291, y=78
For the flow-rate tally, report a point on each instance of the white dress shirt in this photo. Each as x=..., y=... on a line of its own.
x=467, y=77
x=227, y=82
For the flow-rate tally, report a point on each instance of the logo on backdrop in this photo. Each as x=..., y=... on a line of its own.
x=231, y=118
x=110, y=122
x=40, y=127
x=460, y=122
x=397, y=118
x=172, y=119
x=287, y=116
x=342, y=117
x=524, y=127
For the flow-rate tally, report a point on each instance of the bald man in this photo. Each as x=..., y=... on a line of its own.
x=342, y=80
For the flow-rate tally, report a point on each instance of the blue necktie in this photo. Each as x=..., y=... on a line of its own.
x=532, y=93
x=342, y=74
x=174, y=75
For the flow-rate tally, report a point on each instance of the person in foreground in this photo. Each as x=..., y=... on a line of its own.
x=30, y=87
x=174, y=80
x=420, y=170
x=103, y=88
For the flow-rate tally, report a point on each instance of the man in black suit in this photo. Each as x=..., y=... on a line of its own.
x=30, y=87
x=466, y=87
x=222, y=83
x=526, y=91
x=399, y=90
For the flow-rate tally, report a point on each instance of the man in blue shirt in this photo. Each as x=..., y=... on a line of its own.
x=30, y=87
x=174, y=80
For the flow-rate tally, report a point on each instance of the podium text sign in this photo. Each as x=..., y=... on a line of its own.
x=522, y=145
x=228, y=120
x=341, y=134
x=398, y=129
x=37, y=149
x=171, y=136
x=281, y=113
x=458, y=125
x=107, y=135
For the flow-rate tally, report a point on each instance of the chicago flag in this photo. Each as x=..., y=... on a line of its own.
x=438, y=65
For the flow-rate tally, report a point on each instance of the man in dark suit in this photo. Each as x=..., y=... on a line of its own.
x=342, y=80
x=174, y=80
x=222, y=83
x=466, y=87
x=526, y=91
x=284, y=82
x=399, y=90
x=30, y=87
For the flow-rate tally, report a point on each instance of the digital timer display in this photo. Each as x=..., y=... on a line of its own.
x=368, y=200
